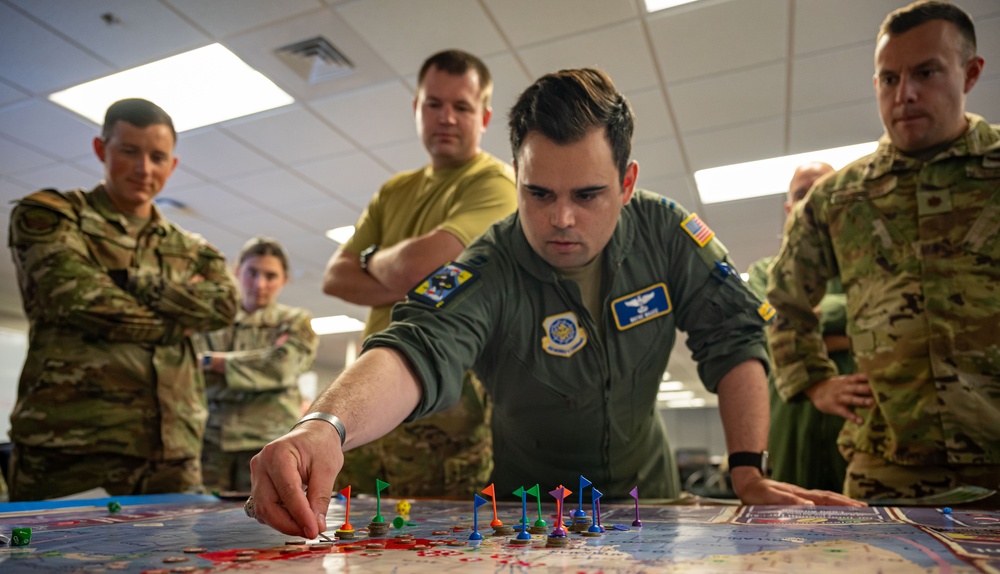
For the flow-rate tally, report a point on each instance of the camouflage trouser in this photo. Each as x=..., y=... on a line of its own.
x=226, y=471
x=445, y=454
x=872, y=477
x=41, y=473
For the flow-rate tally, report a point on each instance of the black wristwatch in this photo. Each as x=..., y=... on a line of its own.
x=366, y=255
x=757, y=460
x=206, y=361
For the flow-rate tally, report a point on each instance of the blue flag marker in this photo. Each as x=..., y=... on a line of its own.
x=580, y=512
x=477, y=501
x=523, y=534
x=595, y=495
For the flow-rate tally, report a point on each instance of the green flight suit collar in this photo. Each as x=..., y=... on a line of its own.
x=978, y=139
x=614, y=252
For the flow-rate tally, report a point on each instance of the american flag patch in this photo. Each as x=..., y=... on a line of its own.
x=697, y=229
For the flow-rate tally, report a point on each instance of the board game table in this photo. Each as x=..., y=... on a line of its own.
x=151, y=534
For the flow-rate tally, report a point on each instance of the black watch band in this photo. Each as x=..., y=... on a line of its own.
x=757, y=460
x=365, y=255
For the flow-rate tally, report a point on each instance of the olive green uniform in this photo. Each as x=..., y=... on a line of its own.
x=802, y=442
x=917, y=247
x=111, y=374
x=257, y=398
x=448, y=453
x=576, y=394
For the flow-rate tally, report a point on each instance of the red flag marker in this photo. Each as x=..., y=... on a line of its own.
x=489, y=491
x=346, y=526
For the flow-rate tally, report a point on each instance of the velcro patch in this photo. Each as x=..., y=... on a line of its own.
x=697, y=229
x=38, y=222
x=641, y=306
x=766, y=311
x=563, y=334
x=444, y=284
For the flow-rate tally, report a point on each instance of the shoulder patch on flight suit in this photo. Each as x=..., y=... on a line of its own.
x=697, y=229
x=766, y=311
x=641, y=306
x=444, y=284
x=563, y=334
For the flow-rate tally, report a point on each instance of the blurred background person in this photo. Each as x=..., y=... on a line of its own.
x=252, y=368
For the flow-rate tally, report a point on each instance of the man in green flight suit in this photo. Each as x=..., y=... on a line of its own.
x=110, y=394
x=913, y=233
x=802, y=442
x=567, y=310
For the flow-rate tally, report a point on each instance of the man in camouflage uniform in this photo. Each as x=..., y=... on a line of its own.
x=802, y=441
x=416, y=222
x=110, y=395
x=913, y=232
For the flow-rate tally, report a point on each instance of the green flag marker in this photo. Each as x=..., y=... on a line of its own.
x=533, y=491
x=380, y=485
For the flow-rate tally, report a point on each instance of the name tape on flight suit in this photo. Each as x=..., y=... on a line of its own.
x=641, y=306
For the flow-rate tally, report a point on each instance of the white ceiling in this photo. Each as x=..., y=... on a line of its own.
x=713, y=83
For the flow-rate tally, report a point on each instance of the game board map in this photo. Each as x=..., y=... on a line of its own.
x=672, y=539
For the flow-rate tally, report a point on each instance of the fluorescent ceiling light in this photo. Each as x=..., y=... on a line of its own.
x=768, y=176
x=686, y=404
x=657, y=5
x=341, y=234
x=336, y=324
x=197, y=88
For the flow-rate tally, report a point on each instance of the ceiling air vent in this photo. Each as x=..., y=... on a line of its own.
x=315, y=60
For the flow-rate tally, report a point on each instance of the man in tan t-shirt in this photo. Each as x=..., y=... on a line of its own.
x=418, y=221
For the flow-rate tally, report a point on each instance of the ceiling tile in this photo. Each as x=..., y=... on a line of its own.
x=688, y=43
x=182, y=178
x=277, y=227
x=749, y=228
x=509, y=80
x=736, y=97
x=289, y=134
x=673, y=187
x=831, y=78
x=146, y=30
x=651, y=118
x=323, y=215
x=226, y=17
x=46, y=126
x=15, y=158
x=310, y=254
x=354, y=177
x=9, y=94
x=824, y=129
x=658, y=158
x=822, y=24
x=405, y=33
x=402, y=156
x=277, y=189
x=37, y=60
x=529, y=21
x=58, y=176
x=617, y=50
x=11, y=190
x=209, y=152
x=748, y=142
x=211, y=201
x=372, y=116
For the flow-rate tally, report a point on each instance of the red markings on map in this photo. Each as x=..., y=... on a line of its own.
x=286, y=552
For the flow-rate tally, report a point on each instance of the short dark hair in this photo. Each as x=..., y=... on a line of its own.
x=457, y=63
x=923, y=11
x=565, y=105
x=262, y=245
x=138, y=112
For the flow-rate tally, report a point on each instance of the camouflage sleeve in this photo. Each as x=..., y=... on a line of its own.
x=757, y=280
x=62, y=284
x=204, y=305
x=797, y=283
x=279, y=365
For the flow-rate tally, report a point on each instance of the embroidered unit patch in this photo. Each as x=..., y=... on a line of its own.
x=697, y=229
x=444, y=284
x=563, y=334
x=641, y=306
x=766, y=311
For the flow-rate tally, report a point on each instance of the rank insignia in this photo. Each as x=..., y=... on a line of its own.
x=444, y=284
x=697, y=229
x=766, y=311
x=564, y=335
x=641, y=306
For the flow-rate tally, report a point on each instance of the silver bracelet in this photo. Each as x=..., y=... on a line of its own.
x=332, y=419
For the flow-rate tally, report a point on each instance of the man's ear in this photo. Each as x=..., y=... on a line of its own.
x=973, y=71
x=99, y=148
x=628, y=182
